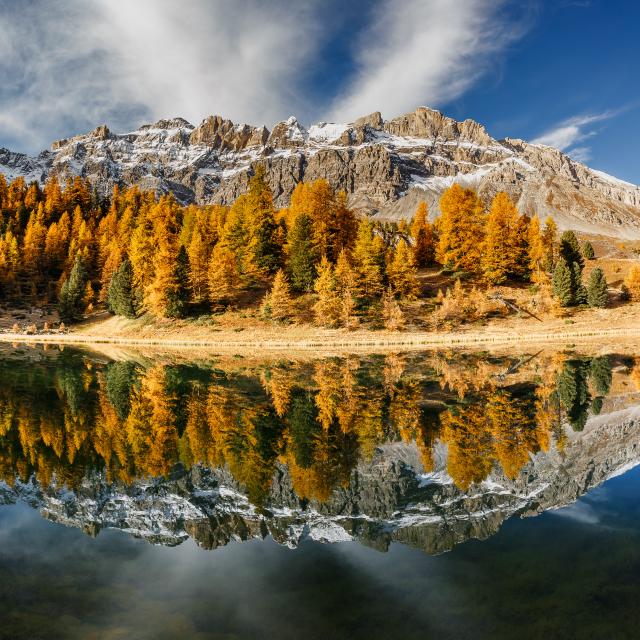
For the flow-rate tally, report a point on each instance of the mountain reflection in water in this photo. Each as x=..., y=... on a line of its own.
x=427, y=449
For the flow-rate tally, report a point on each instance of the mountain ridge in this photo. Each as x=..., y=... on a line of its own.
x=385, y=166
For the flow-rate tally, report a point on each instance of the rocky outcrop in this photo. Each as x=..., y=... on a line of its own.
x=387, y=499
x=386, y=167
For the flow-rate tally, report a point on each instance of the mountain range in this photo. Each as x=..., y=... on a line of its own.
x=388, y=499
x=385, y=167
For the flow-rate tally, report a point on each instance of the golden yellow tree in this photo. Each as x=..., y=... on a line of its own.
x=327, y=306
x=277, y=304
x=501, y=257
x=461, y=229
x=422, y=233
x=223, y=276
x=632, y=282
x=402, y=272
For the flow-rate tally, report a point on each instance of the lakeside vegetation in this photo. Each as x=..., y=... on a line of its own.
x=312, y=262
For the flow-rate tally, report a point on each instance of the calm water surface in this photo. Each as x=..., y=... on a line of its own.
x=434, y=495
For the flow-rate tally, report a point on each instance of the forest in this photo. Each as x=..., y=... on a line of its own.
x=315, y=260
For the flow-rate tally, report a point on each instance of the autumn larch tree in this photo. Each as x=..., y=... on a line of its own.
x=224, y=277
x=264, y=250
x=424, y=249
x=277, y=304
x=461, y=229
x=632, y=282
x=501, y=257
x=369, y=261
x=327, y=306
x=402, y=272
x=346, y=288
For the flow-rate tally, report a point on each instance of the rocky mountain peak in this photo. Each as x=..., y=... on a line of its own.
x=385, y=167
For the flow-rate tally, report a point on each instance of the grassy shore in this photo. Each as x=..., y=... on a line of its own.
x=587, y=326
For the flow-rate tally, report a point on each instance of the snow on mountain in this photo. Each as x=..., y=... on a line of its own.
x=386, y=167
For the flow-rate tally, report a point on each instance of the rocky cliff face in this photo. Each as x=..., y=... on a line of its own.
x=386, y=167
x=388, y=499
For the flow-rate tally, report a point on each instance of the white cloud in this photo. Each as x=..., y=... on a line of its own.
x=565, y=135
x=73, y=64
x=68, y=65
x=423, y=52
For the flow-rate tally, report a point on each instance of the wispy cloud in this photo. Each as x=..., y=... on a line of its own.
x=567, y=135
x=69, y=65
x=423, y=52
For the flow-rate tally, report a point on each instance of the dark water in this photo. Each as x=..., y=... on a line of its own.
x=347, y=498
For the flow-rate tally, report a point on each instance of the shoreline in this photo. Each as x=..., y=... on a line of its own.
x=355, y=341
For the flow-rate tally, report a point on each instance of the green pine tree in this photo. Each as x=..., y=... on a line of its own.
x=120, y=297
x=71, y=303
x=303, y=256
x=178, y=297
x=570, y=249
x=587, y=251
x=597, y=295
x=563, y=283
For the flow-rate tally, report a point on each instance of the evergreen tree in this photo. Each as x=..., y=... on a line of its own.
x=573, y=392
x=461, y=229
x=178, y=295
x=71, y=301
x=264, y=248
x=302, y=253
x=563, y=283
x=587, y=251
x=601, y=375
x=277, y=303
x=570, y=249
x=120, y=299
x=580, y=291
x=597, y=295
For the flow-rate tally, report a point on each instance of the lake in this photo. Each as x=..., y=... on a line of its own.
x=424, y=495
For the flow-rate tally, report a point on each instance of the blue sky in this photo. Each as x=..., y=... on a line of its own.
x=563, y=72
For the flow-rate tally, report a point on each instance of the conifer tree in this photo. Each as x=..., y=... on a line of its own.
x=392, y=315
x=277, y=304
x=403, y=273
x=120, y=298
x=597, y=295
x=536, y=250
x=632, y=282
x=264, y=249
x=71, y=300
x=570, y=249
x=580, y=291
x=199, y=254
x=424, y=248
x=501, y=250
x=346, y=287
x=587, y=251
x=327, y=306
x=563, y=283
x=549, y=240
x=302, y=254
x=224, y=277
x=461, y=229
x=178, y=293
x=368, y=257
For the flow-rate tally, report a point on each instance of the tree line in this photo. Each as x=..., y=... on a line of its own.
x=135, y=253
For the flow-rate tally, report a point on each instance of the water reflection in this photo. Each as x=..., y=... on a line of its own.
x=428, y=449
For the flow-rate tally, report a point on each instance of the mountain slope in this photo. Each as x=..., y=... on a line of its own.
x=386, y=167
